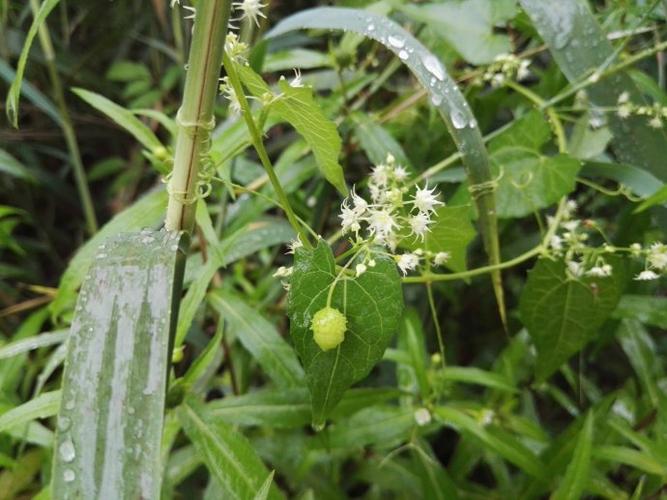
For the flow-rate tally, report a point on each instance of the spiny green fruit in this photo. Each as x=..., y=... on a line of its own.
x=329, y=327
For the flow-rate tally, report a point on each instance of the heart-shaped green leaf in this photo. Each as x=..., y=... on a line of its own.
x=372, y=304
x=562, y=314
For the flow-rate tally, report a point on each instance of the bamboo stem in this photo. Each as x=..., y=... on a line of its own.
x=195, y=118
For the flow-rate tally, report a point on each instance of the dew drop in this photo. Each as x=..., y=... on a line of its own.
x=63, y=423
x=101, y=256
x=66, y=450
x=69, y=475
x=433, y=66
x=458, y=120
x=403, y=55
x=371, y=27
x=69, y=405
x=396, y=42
x=436, y=99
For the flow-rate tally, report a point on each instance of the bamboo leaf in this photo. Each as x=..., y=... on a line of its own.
x=13, y=96
x=372, y=305
x=578, y=471
x=445, y=96
x=477, y=376
x=11, y=166
x=114, y=384
x=260, y=338
x=227, y=453
x=562, y=313
x=579, y=47
x=146, y=212
x=122, y=117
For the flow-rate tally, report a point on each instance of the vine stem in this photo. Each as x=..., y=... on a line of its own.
x=195, y=118
x=258, y=144
x=66, y=125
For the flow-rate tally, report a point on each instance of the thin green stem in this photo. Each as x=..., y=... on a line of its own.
x=256, y=136
x=67, y=126
x=195, y=118
x=436, y=322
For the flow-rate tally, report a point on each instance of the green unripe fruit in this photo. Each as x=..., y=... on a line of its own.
x=329, y=327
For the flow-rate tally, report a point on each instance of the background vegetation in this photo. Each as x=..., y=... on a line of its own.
x=503, y=415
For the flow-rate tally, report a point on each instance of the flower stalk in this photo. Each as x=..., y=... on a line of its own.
x=195, y=118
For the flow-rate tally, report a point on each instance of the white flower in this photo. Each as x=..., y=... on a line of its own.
x=425, y=200
x=230, y=94
x=382, y=224
x=296, y=82
x=571, y=207
x=523, y=71
x=360, y=205
x=293, y=245
x=646, y=276
x=600, y=271
x=400, y=174
x=655, y=122
x=407, y=262
x=441, y=258
x=624, y=111
x=556, y=242
x=283, y=272
x=361, y=269
x=636, y=249
x=486, y=417
x=571, y=225
x=371, y=263
x=422, y=417
x=349, y=218
x=576, y=268
x=380, y=175
x=419, y=224
x=657, y=256
x=624, y=97
x=252, y=10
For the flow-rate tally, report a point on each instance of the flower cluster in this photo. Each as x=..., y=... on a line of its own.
x=505, y=67
x=570, y=241
x=655, y=113
x=250, y=10
x=393, y=215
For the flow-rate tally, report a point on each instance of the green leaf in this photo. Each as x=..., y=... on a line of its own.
x=43, y=406
x=298, y=107
x=29, y=344
x=263, y=492
x=577, y=474
x=477, y=376
x=376, y=141
x=146, y=212
x=260, y=338
x=114, y=384
x=11, y=166
x=227, y=454
x=644, y=357
x=386, y=427
x=501, y=443
x=122, y=117
x=579, y=46
x=647, y=309
x=530, y=131
x=372, y=304
x=468, y=25
x=658, y=198
x=289, y=408
x=12, y=102
x=451, y=232
x=529, y=181
x=411, y=340
x=562, y=314
x=639, y=180
x=632, y=458
x=445, y=96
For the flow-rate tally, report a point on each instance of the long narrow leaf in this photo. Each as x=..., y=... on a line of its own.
x=579, y=47
x=578, y=471
x=12, y=102
x=114, y=386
